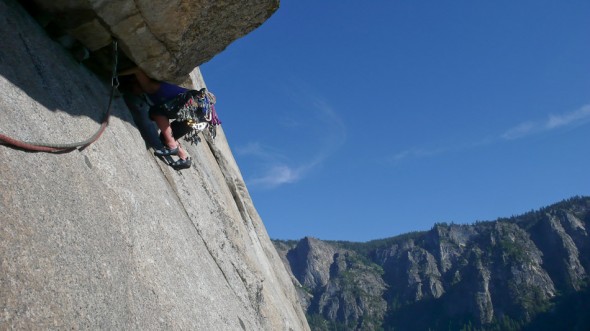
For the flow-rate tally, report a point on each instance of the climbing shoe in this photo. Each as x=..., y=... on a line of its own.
x=166, y=151
x=181, y=164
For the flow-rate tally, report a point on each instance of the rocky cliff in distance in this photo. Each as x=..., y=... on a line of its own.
x=109, y=237
x=508, y=274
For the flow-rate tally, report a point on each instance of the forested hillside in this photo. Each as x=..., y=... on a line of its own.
x=524, y=272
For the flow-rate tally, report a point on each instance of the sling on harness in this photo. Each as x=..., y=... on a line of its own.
x=202, y=116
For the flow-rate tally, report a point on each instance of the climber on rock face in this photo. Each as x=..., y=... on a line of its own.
x=160, y=93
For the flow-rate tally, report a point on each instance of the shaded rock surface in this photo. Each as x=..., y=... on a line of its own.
x=168, y=39
x=487, y=275
x=110, y=237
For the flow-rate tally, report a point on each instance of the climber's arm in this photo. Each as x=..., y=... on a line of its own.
x=147, y=84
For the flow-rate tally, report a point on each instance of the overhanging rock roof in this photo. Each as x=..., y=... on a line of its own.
x=167, y=39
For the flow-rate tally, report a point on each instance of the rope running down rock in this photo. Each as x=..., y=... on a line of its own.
x=68, y=147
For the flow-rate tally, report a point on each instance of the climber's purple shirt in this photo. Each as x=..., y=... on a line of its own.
x=166, y=92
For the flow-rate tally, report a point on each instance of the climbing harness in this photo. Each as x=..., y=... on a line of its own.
x=64, y=148
x=197, y=110
x=193, y=112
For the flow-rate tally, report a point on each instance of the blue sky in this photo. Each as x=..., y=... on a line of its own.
x=359, y=120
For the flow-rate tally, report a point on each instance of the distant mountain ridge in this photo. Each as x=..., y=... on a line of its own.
x=508, y=274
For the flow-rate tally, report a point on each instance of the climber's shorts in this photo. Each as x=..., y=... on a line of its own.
x=171, y=107
x=163, y=110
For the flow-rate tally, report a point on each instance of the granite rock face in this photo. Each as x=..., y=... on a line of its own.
x=167, y=39
x=311, y=261
x=110, y=237
x=336, y=283
x=508, y=271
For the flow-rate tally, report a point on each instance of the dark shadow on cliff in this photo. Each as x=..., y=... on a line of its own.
x=45, y=64
x=570, y=312
x=139, y=111
x=428, y=314
x=29, y=59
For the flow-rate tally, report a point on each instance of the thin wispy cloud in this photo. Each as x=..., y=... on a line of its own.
x=275, y=167
x=265, y=153
x=277, y=175
x=519, y=131
x=525, y=129
x=575, y=118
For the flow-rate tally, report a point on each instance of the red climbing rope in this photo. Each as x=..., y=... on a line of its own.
x=62, y=148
